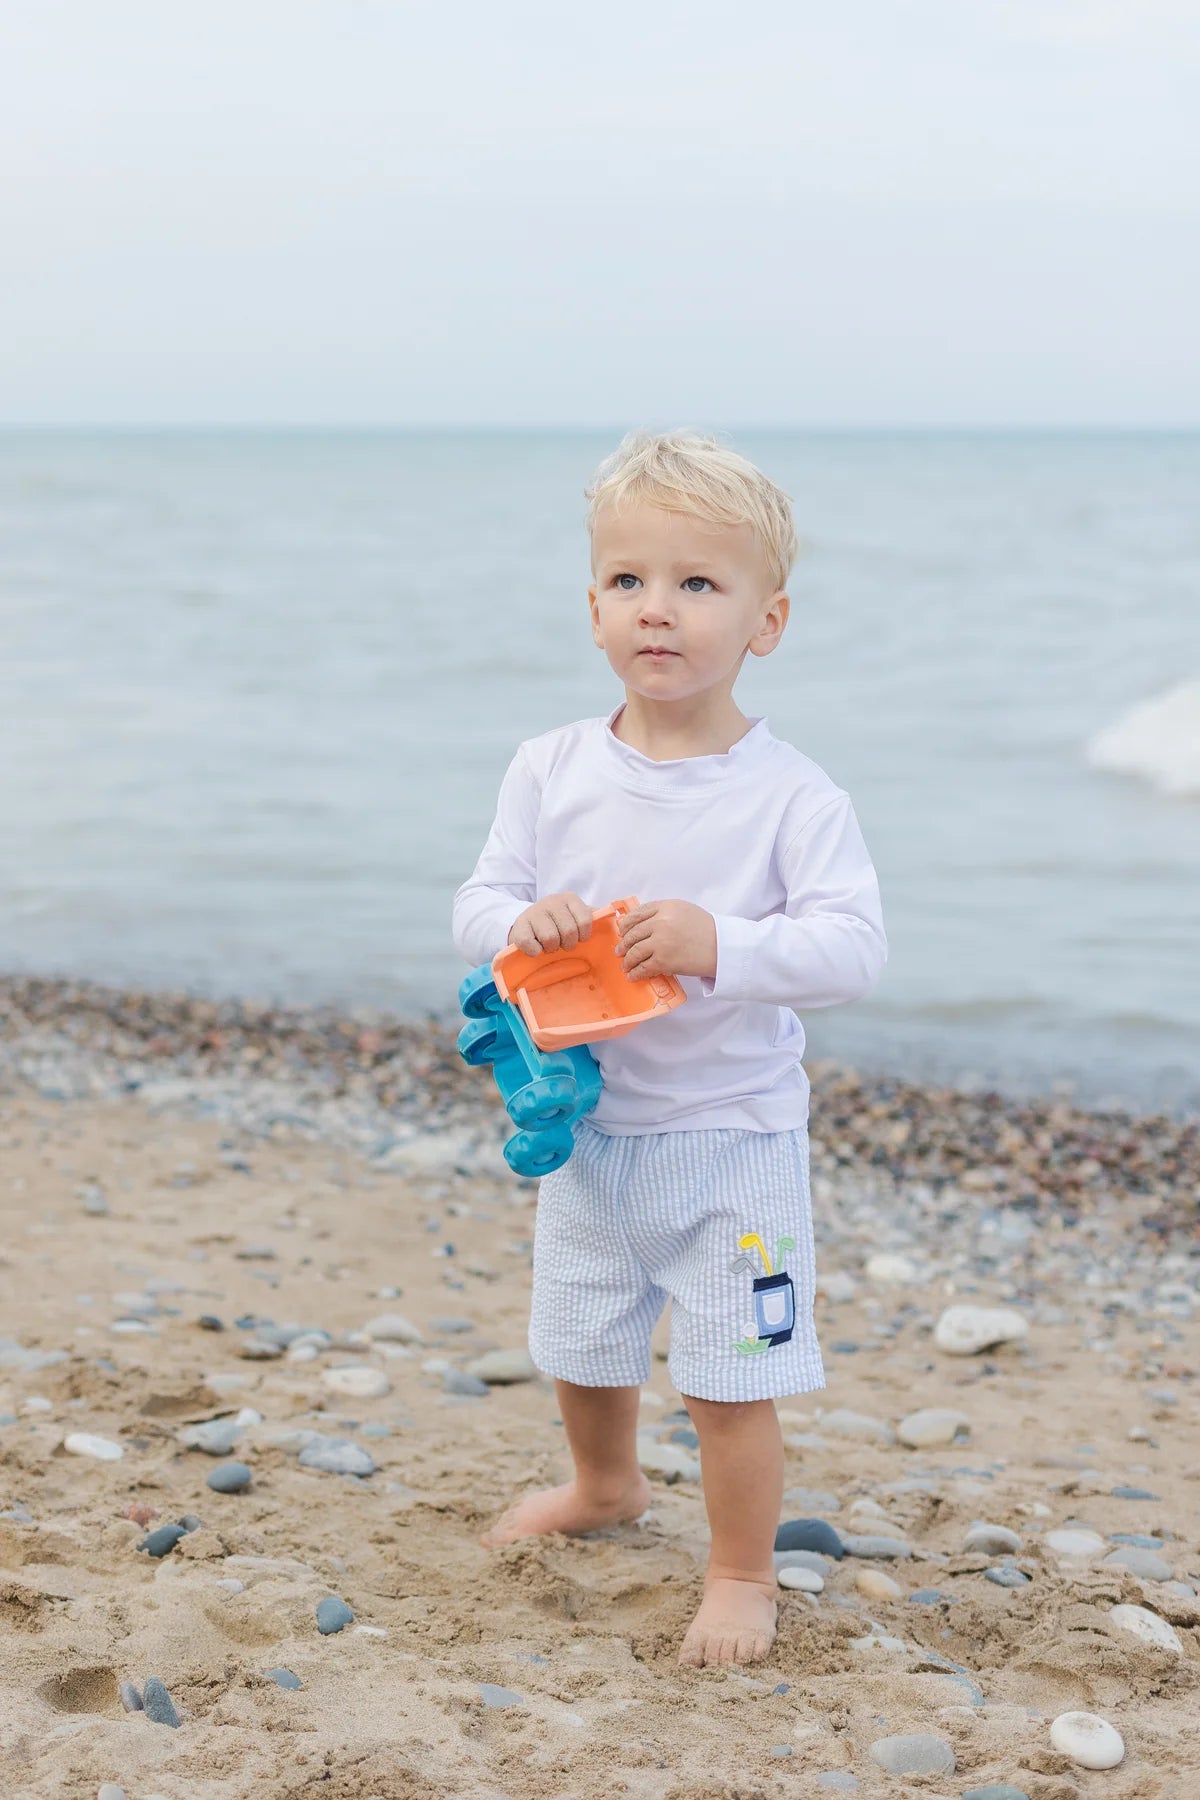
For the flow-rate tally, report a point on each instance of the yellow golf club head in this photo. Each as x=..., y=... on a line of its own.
x=752, y=1238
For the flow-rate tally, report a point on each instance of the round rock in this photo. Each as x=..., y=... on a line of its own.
x=1143, y=1563
x=991, y=1540
x=457, y=1381
x=1074, y=1542
x=161, y=1541
x=393, y=1327
x=1088, y=1740
x=157, y=1703
x=337, y=1456
x=216, y=1437
x=996, y=1790
x=230, y=1478
x=805, y=1581
x=876, y=1585
x=499, y=1368
x=358, y=1380
x=1148, y=1626
x=965, y=1330
x=890, y=1269
x=809, y=1534
x=842, y=1422
x=918, y=1753
x=84, y=1443
x=284, y=1678
x=333, y=1615
x=1006, y=1577
x=932, y=1427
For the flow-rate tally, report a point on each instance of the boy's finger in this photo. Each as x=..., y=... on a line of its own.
x=638, y=935
x=581, y=912
x=638, y=916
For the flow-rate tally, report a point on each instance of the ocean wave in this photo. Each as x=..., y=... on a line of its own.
x=1158, y=740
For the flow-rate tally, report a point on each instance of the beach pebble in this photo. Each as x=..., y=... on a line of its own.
x=1068, y=1542
x=965, y=1330
x=108, y=1790
x=258, y=1350
x=393, y=1327
x=357, y=1380
x=131, y=1700
x=501, y=1367
x=457, y=1381
x=666, y=1459
x=161, y=1542
x=1133, y=1493
x=840, y=1779
x=876, y=1585
x=230, y=1478
x=1087, y=1739
x=996, y=1790
x=917, y=1753
x=844, y=1423
x=333, y=1615
x=157, y=1703
x=991, y=1540
x=890, y=1269
x=1148, y=1626
x=231, y=1584
x=805, y=1581
x=782, y=1750
x=837, y=1285
x=448, y=1327
x=873, y=1545
x=880, y=1640
x=1006, y=1577
x=336, y=1456
x=284, y=1678
x=933, y=1426
x=492, y=1695
x=83, y=1443
x=809, y=1534
x=813, y=1500
x=1143, y=1563
x=216, y=1437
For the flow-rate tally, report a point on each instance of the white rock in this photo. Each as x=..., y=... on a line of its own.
x=358, y=1380
x=667, y=1459
x=1148, y=1626
x=82, y=1443
x=1070, y=1542
x=1088, y=1740
x=992, y=1540
x=879, y=1640
x=836, y=1285
x=964, y=1330
x=876, y=1585
x=891, y=1270
x=395, y=1327
x=806, y=1580
x=932, y=1426
x=503, y=1366
x=844, y=1423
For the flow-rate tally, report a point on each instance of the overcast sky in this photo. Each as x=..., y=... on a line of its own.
x=363, y=211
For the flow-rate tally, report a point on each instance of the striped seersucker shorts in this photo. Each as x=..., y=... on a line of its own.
x=719, y=1222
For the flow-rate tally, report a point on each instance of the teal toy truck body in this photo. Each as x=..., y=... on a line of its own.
x=544, y=1092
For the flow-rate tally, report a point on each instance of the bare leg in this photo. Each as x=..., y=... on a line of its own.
x=601, y=1428
x=741, y=1454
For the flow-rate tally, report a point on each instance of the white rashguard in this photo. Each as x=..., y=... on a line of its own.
x=761, y=838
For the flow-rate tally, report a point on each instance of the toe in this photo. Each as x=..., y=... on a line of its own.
x=748, y=1647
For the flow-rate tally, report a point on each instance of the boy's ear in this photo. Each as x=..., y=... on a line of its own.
x=770, y=627
x=595, y=612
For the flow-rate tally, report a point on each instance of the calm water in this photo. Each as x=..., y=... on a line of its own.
x=258, y=690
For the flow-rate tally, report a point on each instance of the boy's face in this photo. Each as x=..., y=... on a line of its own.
x=671, y=582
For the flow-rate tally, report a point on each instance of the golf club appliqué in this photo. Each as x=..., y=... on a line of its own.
x=774, y=1295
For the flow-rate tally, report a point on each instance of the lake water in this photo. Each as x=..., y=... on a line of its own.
x=257, y=692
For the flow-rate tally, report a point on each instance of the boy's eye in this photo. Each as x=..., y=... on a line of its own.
x=627, y=582
x=696, y=584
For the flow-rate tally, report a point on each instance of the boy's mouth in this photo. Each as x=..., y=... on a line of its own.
x=655, y=650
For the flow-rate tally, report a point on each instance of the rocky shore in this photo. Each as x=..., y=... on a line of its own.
x=264, y=1280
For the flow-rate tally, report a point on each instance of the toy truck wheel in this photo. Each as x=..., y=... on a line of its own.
x=477, y=1042
x=533, y=1153
x=550, y=1100
x=477, y=996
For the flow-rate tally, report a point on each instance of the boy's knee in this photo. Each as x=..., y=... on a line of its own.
x=725, y=1414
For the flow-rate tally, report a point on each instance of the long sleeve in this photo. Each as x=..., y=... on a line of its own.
x=504, y=880
x=829, y=945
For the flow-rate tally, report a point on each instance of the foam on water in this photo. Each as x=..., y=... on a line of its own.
x=1158, y=740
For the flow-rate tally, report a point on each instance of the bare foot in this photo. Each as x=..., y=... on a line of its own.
x=735, y=1624
x=565, y=1509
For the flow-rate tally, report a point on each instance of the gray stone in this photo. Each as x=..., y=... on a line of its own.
x=915, y=1753
x=844, y=1423
x=933, y=1426
x=162, y=1540
x=1133, y=1493
x=457, y=1381
x=108, y=1790
x=802, y=1559
x=501, y=1367
x=992, y=1540
x=337, y=1456
x=1138, y=1539
x=216, y=1437
x=333, y=1615
x=782, y=1750
x=931, y=1597
x=838, y=1778
x=996, y=1790
x=813, y=1500
x=1143, y=1563
x=491, y=1695
x=394, y=1328
x=1006, y=1577
x=863, y=1544
x=450, y=1326
x=131, y=1700
x=230, y=1478
x=157, y=1703
x=809, y=1534
x=284, y=1678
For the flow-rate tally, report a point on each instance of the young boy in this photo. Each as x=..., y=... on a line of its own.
x=689, y=1179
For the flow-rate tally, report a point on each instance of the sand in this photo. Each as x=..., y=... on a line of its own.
x=585, y=1632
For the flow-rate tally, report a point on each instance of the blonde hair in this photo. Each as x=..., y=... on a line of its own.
x=688, y=472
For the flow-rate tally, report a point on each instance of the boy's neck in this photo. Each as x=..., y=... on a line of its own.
x=666, y=730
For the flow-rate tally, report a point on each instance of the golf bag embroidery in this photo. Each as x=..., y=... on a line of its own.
x=774, y=1295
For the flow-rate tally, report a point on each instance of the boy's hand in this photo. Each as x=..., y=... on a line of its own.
x=558, y=922
x=668, y=937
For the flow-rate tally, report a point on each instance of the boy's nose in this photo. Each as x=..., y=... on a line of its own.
x=655, y=608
